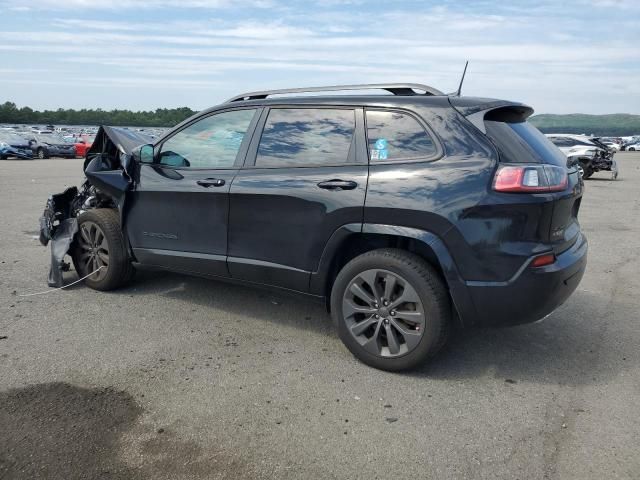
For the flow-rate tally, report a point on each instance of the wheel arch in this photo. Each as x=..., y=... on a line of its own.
x=352, y=240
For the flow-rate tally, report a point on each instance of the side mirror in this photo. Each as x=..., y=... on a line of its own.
x=146, y=153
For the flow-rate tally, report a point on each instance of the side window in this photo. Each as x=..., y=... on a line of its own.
x=306, y=136
x=212, y=142
x=396, y=136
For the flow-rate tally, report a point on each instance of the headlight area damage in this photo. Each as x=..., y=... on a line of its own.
x=108, y=178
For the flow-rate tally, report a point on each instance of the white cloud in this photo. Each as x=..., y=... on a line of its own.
x=130, y=4
x=537, y=53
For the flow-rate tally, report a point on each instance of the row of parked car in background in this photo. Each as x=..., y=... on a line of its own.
x=23, y=142
x=19, y=142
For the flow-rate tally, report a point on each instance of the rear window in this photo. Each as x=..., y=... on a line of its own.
x=521, y=142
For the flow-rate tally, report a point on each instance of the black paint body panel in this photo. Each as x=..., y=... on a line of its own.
x=169, y=211
x=275, y=226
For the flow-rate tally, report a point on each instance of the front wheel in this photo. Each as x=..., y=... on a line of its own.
x=391, y=309
x=99, y=250
x=41, y=154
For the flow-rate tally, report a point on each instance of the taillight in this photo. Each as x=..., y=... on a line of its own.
x=530, y=178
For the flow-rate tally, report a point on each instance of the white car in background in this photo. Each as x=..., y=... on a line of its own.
x=572, y=145
x=589, y=153
x=633, y=147
x=615, y=146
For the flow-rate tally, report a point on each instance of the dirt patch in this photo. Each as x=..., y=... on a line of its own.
x=61, y=431
x=57, y=430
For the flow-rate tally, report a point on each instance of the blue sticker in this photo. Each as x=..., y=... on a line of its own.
x=382, y=154
x=381, y=144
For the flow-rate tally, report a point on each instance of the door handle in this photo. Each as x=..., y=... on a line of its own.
x=211, y=182
x=337, y=184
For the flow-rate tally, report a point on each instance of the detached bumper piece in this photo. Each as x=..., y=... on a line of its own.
x=57, y=227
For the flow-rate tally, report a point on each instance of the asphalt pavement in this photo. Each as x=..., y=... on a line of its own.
x=176, y=377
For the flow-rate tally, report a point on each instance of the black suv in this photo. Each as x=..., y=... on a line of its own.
x=407, y=213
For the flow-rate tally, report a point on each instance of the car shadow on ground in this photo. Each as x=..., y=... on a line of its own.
x=563, y=349
x=251, y=302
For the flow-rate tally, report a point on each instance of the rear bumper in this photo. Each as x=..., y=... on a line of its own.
x=533, y=293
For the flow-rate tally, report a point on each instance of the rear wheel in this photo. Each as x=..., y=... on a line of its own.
x=391, y=309
x=631, y=149
x=99, y=250
x=41, y=154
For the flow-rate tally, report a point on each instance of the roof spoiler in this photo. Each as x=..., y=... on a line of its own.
x=479, y=110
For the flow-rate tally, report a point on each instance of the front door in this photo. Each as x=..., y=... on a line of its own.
x=305, y=177
x=177, y=217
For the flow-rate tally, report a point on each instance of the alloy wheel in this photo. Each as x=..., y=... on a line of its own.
x=93, y=250
x=383, y=313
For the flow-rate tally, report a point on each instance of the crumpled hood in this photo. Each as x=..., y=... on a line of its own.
x=107, y=161
x=115, y=141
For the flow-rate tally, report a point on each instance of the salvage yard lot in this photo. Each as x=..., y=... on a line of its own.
x=178, y=377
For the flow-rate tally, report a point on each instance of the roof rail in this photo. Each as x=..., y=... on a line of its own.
x=395, y=88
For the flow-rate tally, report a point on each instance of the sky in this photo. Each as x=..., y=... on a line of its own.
x=571, y=56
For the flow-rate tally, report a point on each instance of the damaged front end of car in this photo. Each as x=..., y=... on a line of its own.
x=108, y=178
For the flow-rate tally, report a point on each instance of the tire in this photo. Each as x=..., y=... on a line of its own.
x=407, y=276
x=632, y=149
x=41, y=154
x=587, y=170
x=99, y=233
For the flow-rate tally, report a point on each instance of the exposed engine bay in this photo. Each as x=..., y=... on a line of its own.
x=108, y=178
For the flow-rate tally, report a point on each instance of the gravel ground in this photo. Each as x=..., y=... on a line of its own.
x=186, y=378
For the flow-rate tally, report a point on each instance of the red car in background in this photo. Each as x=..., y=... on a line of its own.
x=82, y=144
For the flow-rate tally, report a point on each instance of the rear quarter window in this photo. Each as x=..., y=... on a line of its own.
x=395, y=136
x=521, y=142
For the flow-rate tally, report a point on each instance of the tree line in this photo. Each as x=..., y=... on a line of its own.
x=603, y=125
x=612, y=125
x=160, y=117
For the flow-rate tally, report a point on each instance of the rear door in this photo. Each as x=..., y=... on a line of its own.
x=306, y=175
x=178, y=215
